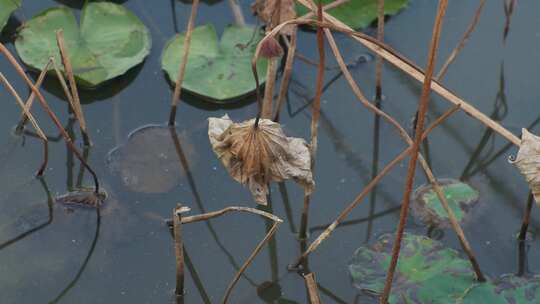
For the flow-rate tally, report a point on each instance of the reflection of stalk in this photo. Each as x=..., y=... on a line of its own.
x=374, y=166
x=39, y=227
x=526, y=217
x=183, y=63
x=47, y=109
x=380, y=37
x=196, y=279
x=422, y=109
x=84, y=264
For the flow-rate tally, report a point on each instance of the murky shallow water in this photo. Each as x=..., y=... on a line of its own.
x=126, y=255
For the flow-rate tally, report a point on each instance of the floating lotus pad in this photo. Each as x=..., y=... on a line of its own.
x=218, y=70
x=148, y=162
x=460, y=196
x=6, y=8
x=110, y=41
x=505, y=290
x=427, y=272
x=359, y=14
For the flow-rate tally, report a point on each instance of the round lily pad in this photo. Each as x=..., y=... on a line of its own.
x=218, y=70
x=427, y=272
x=505, y=290
x=6, y=8
x=110, y=41
x=427, y=207
x=359, y=14
x=149, y=161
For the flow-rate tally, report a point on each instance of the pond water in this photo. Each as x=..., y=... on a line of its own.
x=125, y=254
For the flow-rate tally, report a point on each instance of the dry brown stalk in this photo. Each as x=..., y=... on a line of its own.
x=406, y=66
x=358, y=199
x=287, y=72
x=179, y=249
x=313, y=290
x=462, y=41
x=380, y=38
x=21, y=104
x=183, y=63
x=302, y=234
x=249, y=260
x=75, y=101
x=47, y=109
x=28, y=105
x=237, y=12
x=422, y=110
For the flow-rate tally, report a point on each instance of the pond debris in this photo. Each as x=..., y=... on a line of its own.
x=528, y=161
x=257, y=156
x=82, y=197
x=427, y=207
x=266, y=10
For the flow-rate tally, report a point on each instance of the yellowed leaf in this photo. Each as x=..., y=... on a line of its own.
x=528, y=161
x=257, y=156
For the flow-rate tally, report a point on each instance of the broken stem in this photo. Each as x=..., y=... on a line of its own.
x=178, y=250
x=287, y=72
x=183, y=63
x=422, y=109
x=47, y=109
x=312, y=288
x=76, y=102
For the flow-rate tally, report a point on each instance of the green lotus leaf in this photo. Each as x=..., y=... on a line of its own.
x=427, y=272
x=217, y=70
x=505, y=290
x=6, y=8
x=110, y=41
x=460, y=196
x=359, y=14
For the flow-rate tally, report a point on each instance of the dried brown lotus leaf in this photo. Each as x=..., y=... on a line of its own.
x=265, y=10
x=528, y=161
x=257, y=156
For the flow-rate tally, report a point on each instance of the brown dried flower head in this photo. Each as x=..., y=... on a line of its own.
x=257, y=156
x=270, y=48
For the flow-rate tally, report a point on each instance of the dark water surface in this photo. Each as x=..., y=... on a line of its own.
x=51, y=255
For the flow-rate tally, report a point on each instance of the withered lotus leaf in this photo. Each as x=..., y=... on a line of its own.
x=257, y=156
x=528, y=161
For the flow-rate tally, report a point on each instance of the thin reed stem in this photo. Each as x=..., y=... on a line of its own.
x=24, y=119
x=316, y=113
x=462, y=41
x=422, y=109
x=76, y=102
x=183, y=63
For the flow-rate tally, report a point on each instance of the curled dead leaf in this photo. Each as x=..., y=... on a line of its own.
x=265, y=10
x=257, y=156
x=528, y=161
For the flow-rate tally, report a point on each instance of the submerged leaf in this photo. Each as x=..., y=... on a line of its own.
x=508, y=289
x=6, y=8
x=359, y=13
x=266, y=10
x=426, y=272
x=460, y=196
x=218, y=70
x=149, y=162
x=84, y=197
x=528, y=161
x=257, y=156
x=111, y=40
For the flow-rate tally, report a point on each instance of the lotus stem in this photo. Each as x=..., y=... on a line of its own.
x=313, y=290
